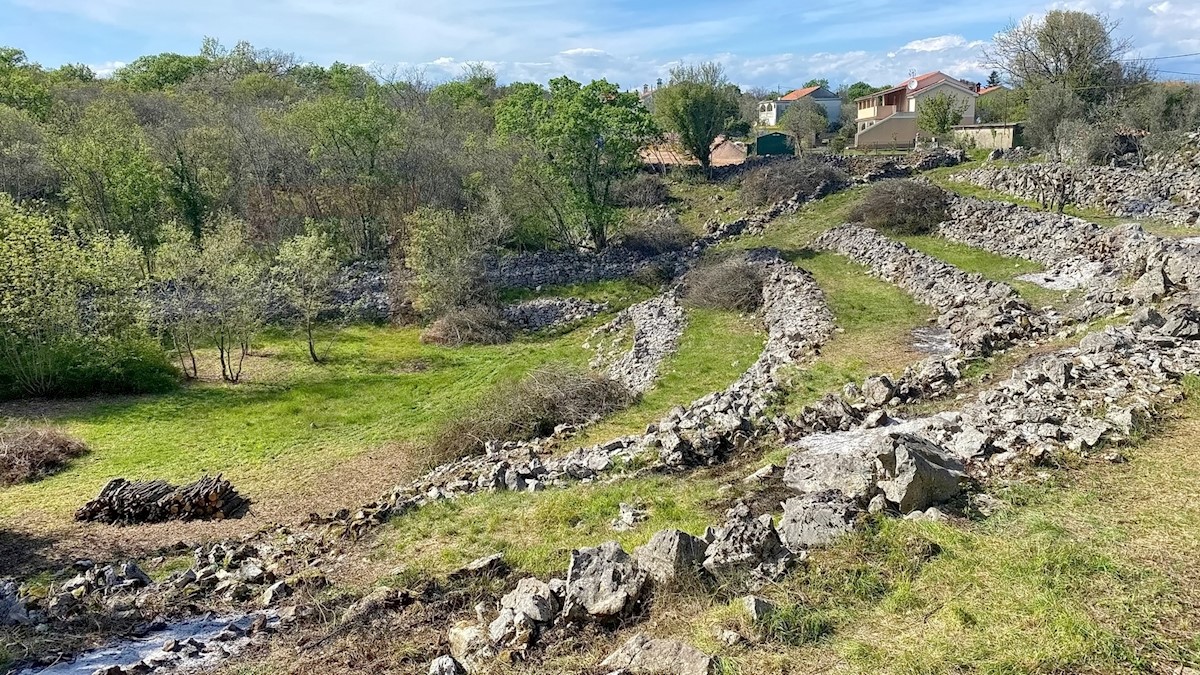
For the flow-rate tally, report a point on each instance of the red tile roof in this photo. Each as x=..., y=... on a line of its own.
x=923, y=81
x=797, y=94
x=988, y=90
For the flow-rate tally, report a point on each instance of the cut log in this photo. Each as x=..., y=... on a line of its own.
x=130, y=502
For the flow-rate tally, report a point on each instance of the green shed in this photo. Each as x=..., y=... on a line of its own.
x=772, y=143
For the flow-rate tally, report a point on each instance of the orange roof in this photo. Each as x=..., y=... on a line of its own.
x=797, y=94
x=923, y=81
x=988, y=90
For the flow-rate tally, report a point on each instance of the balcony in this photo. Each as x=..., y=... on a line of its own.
x=876, y=112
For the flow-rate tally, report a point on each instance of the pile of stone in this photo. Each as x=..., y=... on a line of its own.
x=982, y=315
x=1121, y=191
x=551, y=313
x=1160, y=266
x=632, y=347
x=1180, y=167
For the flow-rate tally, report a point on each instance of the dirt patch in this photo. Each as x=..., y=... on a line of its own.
x=39, y=542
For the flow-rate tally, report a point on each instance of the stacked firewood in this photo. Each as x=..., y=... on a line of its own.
x=154, y=501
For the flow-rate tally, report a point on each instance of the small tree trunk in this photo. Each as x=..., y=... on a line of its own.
x=312, y=348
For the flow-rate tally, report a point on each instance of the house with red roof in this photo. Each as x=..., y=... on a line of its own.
x=889, y=117
x=771, y=112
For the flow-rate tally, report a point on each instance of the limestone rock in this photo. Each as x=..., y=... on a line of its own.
x=12, y=609
x=746, y=550
x=914, y=473
x=534, y=599
x=847, y=470
x=816, y=520
x=670, y=555
x=445, y=665
x=470, y=646
x=642, y=655
x=602, y=583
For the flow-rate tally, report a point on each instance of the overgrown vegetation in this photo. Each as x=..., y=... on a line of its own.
x=475, y=325
x=531, y=407
x=28, y=453
x=902, y=206
x=728, y=282
x=785, y=179
x=657, y=233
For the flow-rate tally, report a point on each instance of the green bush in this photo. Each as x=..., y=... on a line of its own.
x=73, y=319
x=902, y=206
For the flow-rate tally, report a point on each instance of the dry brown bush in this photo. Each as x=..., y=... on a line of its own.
x=902, y=206
x=529, y=408
x=642, y=190
x=728, y=283
x=783, y=180
x=479, y=325
x=659, y=233
x=28, y=453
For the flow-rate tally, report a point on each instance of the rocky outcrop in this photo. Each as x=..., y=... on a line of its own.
x=632, y=347
x=671, y=555
x=747, y=550
x=982, y=315
x=1121, y=191
x=603, y=583
x=818, y=519
x=644, y=656
x=547, y=313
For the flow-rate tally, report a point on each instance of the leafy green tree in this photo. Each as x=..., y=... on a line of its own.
x=859, y=90
x=161, y=71
x=180, y=313
x=993, y=79
x=73, y=72
x=447, y=254
x=699, y=104
x=25, y=172
x=821, y=82
x=1048, y=105
x=23, y=84
x=305, y=272
x=231, y=292
x=72, y=317
x=112, y=182
x=584, y=138
x=804, y=120
x=350, y=141
x=939, y=113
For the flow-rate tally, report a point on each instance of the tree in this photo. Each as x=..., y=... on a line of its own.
x=112, y=182
x=937, y=114
x=859, y=90
x=305, y=271
x=1048, y=105
x=162, y=71
x=22, y=84
x=25, y=172
x=447, y=254
x=585, y=138
x=993, y=79
x=699, y=104
x=1076, y=50
x=804, y=120
x=231, y=291
x=822, y=82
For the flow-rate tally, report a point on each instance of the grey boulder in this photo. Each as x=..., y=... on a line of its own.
x=914, y=473
x=641, y=655
x=747, y=550
x=602, y=583
x=816, y=520
x=671, y=555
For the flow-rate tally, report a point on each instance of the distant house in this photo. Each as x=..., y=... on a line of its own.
x=991, y=136
x=889, y=117
x=771, y=112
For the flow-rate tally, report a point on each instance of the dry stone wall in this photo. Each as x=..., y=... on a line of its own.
x=982, y=315
x=1124, y=192
x=653, y=329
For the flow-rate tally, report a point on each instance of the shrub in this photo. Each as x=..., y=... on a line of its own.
x=479, y=325
x=728, y=283
x=902, y=206
x=783, y=180
x=641, y=190
x=530, y=408
x=659, y=233
x=73, y=318
x=447, y=253
x=28, y=453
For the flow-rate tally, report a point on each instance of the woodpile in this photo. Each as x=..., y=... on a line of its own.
x=127, y=502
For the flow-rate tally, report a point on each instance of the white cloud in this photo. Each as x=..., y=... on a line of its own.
x=935, y=44
x=107, y=68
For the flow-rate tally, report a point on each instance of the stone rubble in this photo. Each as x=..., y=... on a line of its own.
x=641, y=655
x=1121, y=191
x=983, y=316
x=656, y=324
x=545, y=313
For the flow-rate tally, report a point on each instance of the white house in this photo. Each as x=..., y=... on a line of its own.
x=771, y=112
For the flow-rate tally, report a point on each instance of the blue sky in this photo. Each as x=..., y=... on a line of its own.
x=761, y=42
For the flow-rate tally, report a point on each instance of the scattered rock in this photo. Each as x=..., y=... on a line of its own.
x=641, y=654
x=602, y=583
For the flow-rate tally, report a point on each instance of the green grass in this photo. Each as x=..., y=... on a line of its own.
x=876, y=318
x=716, y=348
x=381, y=385
x=699, y=202
x=537, y=531
x=618, y=293
x=989, y=265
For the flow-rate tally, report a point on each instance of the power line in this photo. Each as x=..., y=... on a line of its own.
x=1163, y=58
